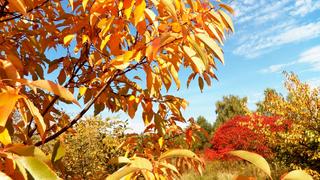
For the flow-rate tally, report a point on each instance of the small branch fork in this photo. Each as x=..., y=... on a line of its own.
x=90, y=103
x=18, y=15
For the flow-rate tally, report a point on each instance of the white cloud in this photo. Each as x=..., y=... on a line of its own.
x=303, y=7
x=274, y=68
x=288, y=19
x=310, y=57
x=258, y=44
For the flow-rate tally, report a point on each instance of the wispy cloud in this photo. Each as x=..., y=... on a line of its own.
x=261, y=43
x=310, y=57
x=303, y=7
x=276, y=68
x=254, y=18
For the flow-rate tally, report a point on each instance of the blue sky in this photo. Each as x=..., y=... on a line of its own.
x=271, y=36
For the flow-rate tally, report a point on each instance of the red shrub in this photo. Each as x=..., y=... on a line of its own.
x=242, y=133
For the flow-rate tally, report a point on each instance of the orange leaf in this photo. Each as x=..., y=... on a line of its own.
x=51, y=87
x=18, y=5
x=8, y=100
x=41, y=126
x=10, y=70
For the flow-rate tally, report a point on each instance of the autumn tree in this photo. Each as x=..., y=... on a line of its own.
x=260, y=107
x=229, y=107
x=244, y=133
x=93, y=144
x=204, y=135
x=299, y=147
x=120, y=55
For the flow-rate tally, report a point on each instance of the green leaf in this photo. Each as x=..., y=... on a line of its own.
x=176, y=153
x=58, y=152
x=255, y=159
x=297, y=175
x=36, y=168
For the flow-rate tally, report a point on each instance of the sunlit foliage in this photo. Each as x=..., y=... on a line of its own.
x=299, y=147
x=112, y=54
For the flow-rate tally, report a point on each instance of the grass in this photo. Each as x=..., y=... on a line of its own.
x=225, y=170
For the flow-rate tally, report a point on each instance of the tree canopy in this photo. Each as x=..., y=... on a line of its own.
x=298, y=147
x=119, y=55
x=229, y=107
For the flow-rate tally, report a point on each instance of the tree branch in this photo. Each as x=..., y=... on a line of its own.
x=19, y=15
x=87, y=107
x=82, y=61
x=77, y=118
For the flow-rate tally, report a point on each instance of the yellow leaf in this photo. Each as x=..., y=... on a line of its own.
x=297, y=175
x=41, y=126
x=71, y=4
x=255, y=159
x=37, y=168
x=160, y=141
x=210, y=43
x=199, y=65
x=136, y=164
x=200, y=51
x=122, y=172
x=5, y=138
x=168, y=4
x=151, y=16
x=128, y=5
x=213, y=32
x=141, y=163
x=84, y=38
x=84, y=4
x=3, y=176
x=51, y=87
x=176, y=153
x=8, y=100
x=174, y=74
x=18, y=5
x=169, y=166
x=123, y=61
x=104, y=24
x=104, y=42
x=227, y=20
x=68, y=38
x=82, y=90
x=139, y=11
